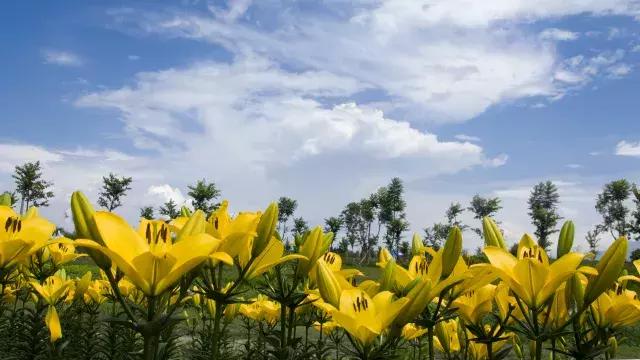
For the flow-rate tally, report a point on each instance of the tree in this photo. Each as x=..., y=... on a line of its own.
x=204, y=195
x=636, y=212
x=438, y=233
x=146, y=212
x=593, y=240
x=114, y=188
x=610, y=203
x=482, y=207
x=33, y=189
x=300, y=226
x=635, y=255
x=543, y=210
x=333, y=224
x=286, y=208
x=392, y=213
x=360, y=225
x=169, y=209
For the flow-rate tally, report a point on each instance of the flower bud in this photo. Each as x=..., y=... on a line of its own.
x=184, y=211
x=86, y=228
x=565, y=240
x=5, y=199
x=266, y=228
x=451, y=251
x=609, y=268
x=492, y=234
x=387, y=281
x=384, y=256
x=311, y=248
x=31, y=213
x=417, y=246
x=613, y=346
x=328, y=284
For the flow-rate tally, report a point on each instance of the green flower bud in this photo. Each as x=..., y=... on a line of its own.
x=86, y=228
x=451, y=251
x=609, y=268
x=184, y=211
x=417, y=246
x=565, y=240
x=387, y=281
x=5, y=199
x=492, y=234
x=328, y=284
x=266, y=228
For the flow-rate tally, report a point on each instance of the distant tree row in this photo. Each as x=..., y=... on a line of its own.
x=378, y=217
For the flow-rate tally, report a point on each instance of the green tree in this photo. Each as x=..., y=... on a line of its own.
x=593, y=240
x=32, y=188
x=114, y=188
x=300, y=226
x=392, y=213
x=169, y=209
x=543, y=210
x=482, y=207
x=333, y=224
x=611, y=204
x=204, y=195
x=438, y=232
x=146, y=212
x=286, y=208
x=361, y=225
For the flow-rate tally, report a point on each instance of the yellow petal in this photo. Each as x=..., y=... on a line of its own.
x=118, y=236
x=53, y=323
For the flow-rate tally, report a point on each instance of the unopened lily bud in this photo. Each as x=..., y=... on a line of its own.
x=492, y=234
x=5, y=199
x=231, y=311
x=565, y=240
x=384, y=256
x=387, y=281
x=609, y=268
x=451, y=251
x=327, y=240
x=86, y=228
x=574, y=291
x=417, y=246
x=266, y=228
x=328, y=284
x=613, y=346
x=184, y=211
x=311, y=248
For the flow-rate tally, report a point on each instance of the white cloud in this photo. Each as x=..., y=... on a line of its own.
x=624, y=148
x=60, y=57
x=574, y=166
x=12, y=155
x=464, y=137
x=164, y=193
x=133, y=57
x=619, y=70
x=556, y=34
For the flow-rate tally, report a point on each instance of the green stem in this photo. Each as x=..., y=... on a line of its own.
x=538, y=349
x=216, y=331
x=489, y=350
x=430, y=340
x=283, y=325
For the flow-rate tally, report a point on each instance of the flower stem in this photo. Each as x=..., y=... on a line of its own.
x=430, y=340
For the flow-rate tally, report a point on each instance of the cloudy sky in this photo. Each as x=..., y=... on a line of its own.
x=324, y=101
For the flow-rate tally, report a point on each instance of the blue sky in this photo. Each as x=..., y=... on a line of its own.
x=325, y=101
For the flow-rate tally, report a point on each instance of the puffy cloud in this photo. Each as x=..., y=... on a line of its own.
x=624, y=148
x=17, y=154
x=60, y=57
x=164, y=193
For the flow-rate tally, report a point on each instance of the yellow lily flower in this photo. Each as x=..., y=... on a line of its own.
x=412, y=331
x=54, y=288
x=366, y=318
x=530, y=276
x=473, y=305
x=62, y=252
x=236, y=234
x=21, y=236
x=270, y=257
x=151, y=261
x=616, y=309
x=261, y=309
x=327, y=327
x=446, y=338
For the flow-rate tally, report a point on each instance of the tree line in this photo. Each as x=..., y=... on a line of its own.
x=377, y=219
